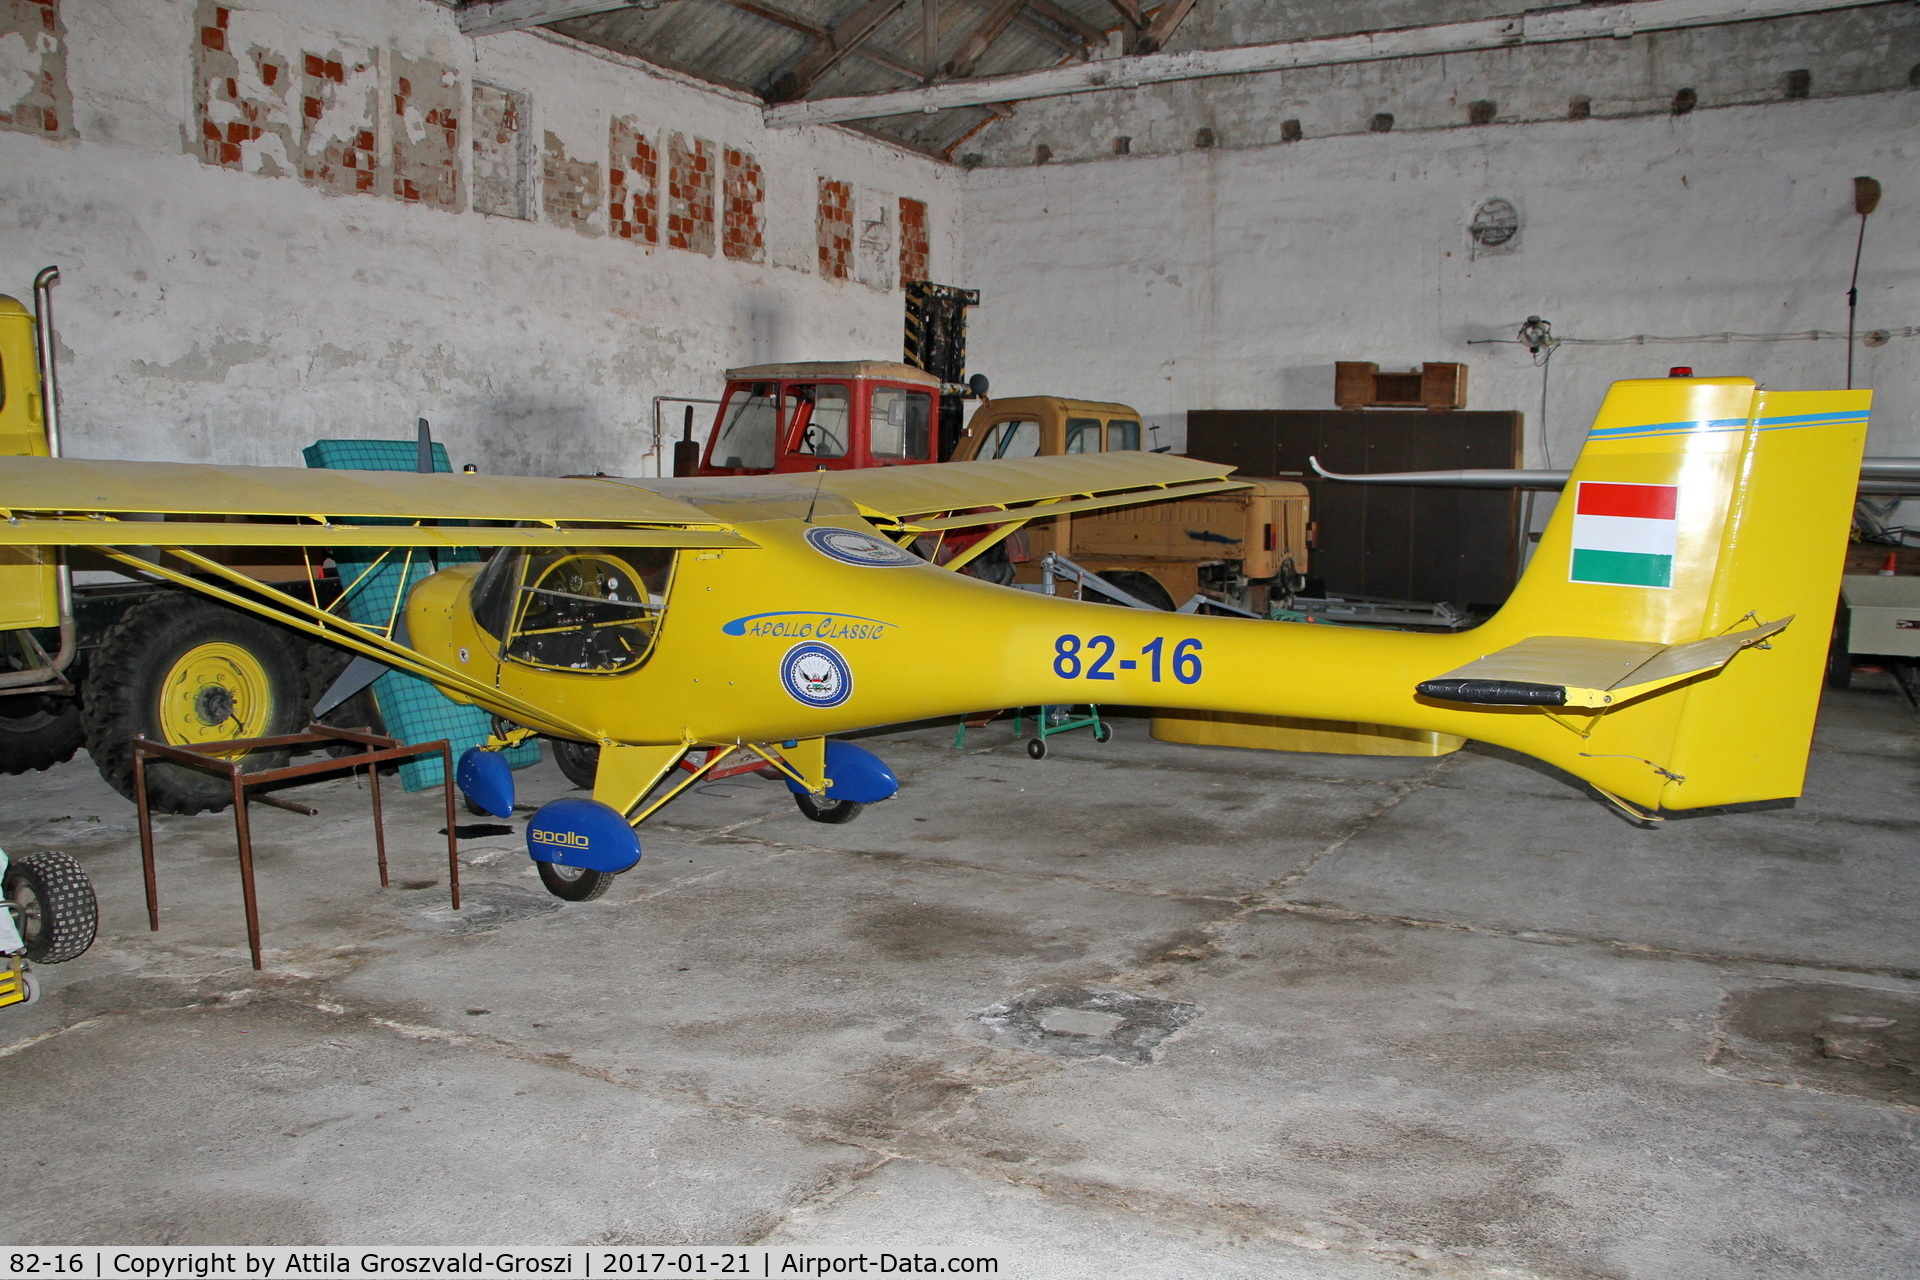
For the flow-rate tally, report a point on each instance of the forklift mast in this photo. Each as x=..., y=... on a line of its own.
x=936, y=340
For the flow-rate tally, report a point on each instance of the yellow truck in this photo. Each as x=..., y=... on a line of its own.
x=1247, y=548
x=99, y=663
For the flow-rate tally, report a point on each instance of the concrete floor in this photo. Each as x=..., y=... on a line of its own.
x=1134, y=1010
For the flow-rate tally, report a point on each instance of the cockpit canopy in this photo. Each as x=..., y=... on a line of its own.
x=586, y=609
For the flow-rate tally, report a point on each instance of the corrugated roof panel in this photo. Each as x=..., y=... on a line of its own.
x=727, y=45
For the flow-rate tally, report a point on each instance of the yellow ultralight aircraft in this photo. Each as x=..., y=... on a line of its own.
x=763, y=614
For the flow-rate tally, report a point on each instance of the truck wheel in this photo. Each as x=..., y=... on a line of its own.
x=1143, y=587
x=575, y=884
x=580, y=761
x=992, y=565
x=38, y=731
x=1839, y=657
x=54, y=905
x=183, y=670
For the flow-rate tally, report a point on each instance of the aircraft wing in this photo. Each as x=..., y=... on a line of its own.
x=81, y=502
x=1575, y=671
x=917, y=499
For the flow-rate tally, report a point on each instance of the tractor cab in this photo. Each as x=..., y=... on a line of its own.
x=839, y=415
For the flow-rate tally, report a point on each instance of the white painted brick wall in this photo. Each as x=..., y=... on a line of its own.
x=210, y=314
x=1234, y=279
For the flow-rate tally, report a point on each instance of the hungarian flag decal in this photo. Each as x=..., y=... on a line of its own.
x=1624, y=534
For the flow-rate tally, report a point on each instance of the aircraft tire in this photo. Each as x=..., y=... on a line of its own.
x=57, y=913
x=575, y=884
x=38, y=731
x=181, y=669
x=580, y=761
x=823, y=810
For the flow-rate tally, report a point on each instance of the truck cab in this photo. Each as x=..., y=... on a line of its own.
x=1247, y=547
x=839, y=415
x=1046, y=427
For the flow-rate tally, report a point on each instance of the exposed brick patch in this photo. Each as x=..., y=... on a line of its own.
x=913, y=241
x=633, y=183
x=240, y=111
x=834, y=229
x=690, y=193
x=45, y=107
x=745, y=194
x=569, y=188
x=426, y=133
x=499, y=151
x=338, y=98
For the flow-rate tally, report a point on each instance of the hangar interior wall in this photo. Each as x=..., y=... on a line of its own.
x=299, y=218
x=1233, y=278
x=304, y=218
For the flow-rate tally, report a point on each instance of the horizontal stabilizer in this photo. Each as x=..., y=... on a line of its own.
x=1576, y=671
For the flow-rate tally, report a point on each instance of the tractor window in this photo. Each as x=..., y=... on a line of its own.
x=1083, y=435
x=817, y=417
x=1010, y=440
x=588, y=609
x=747, y=429
x=899, y=423
x=1122, y=434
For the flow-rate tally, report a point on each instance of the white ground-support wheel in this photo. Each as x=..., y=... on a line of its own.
x=1037, y=748
x=53, y=905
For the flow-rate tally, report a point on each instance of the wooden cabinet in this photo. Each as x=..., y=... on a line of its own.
x=1404, y=543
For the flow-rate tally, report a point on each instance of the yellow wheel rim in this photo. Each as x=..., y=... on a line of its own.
x=212, y=693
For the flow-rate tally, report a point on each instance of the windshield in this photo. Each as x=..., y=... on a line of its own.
x=745, y=439
x=898, y=423
x=1010, y=440
x=576, y=608
x=818, y=417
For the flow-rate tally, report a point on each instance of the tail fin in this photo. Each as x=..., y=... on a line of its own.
x=1700, y=508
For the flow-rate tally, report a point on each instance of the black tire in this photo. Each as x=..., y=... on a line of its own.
x=1839, y=659
x=575, y=884
x=147, y=654
x=1102, y=731
x=38, y=731
x=56, y=911
x=821, y=809
x=580, y=761
x=1037, y=748
x=1143, y=587
x=993, y=565
x=323, y=664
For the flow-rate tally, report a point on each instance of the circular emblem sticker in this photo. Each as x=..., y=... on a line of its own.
x=816, y=675
x=851, y=546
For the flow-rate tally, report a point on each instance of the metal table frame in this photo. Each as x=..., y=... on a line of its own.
x=376, y=750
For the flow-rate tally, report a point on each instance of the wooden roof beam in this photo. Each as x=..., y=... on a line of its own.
x=1160, y=30
x=798, y=80
x=492, y=17
x=981, y=38
x=814, y=31
x=1539, y=26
